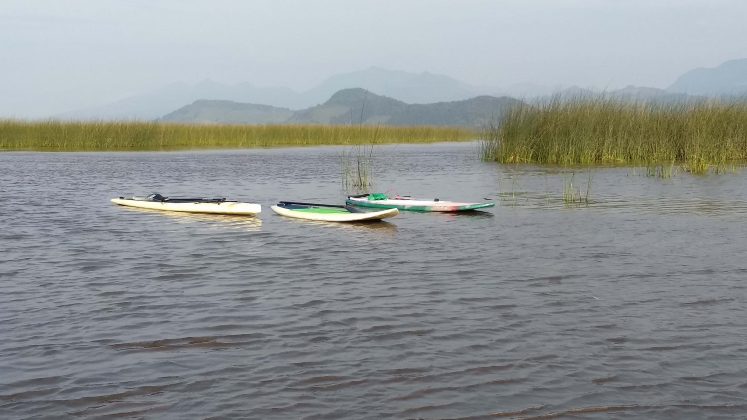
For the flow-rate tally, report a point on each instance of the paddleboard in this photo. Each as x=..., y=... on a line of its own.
x=190, y=205
x=381, y=201
x=329, y=213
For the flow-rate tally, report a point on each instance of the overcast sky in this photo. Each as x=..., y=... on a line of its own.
x=57, y=56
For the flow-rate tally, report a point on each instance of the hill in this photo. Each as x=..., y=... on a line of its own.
x=228, y=112
x=727, y=79
x=351, y=106
x=409, y=87
x=153, y=104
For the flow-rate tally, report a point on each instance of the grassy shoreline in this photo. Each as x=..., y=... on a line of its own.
x=700, y=137
x=63, y=136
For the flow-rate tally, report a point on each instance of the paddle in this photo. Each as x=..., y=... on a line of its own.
x=159, y=197
x=296, y=203
x=195, y=200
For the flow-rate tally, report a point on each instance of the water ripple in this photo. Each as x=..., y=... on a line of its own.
x=630, y=307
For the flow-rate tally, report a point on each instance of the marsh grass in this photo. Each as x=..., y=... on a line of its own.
x=152, y=136
x=663, y=170
x=572, y=193
x=357, y=169
x=507, y=196
x=357, y=165
x=700, y=137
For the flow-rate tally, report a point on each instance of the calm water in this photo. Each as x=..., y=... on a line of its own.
x=632, y=307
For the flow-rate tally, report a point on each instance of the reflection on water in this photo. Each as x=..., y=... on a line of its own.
x=246, y=222
x=632, y=306
x=377, y=226
x=669, y=205
x=621, y=189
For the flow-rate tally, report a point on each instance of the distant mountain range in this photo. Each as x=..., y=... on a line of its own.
x=360, y=106
x=417, y=88
x=206, y=111
x=152, y=105
x=408, y=87
x=626, y=94
x=350, y=106
x=213, y=102
x=727, y=79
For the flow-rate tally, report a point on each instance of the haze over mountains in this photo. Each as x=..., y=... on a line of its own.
x=350, y=106
x=730, y=79
x=391, y=96
x=408, y=87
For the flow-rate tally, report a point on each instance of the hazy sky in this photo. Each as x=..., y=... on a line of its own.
x=61, y=55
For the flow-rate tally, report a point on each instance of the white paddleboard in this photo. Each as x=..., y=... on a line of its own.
x=327, y=214
x=225, y=207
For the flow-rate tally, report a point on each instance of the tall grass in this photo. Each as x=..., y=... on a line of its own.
x=572, y=194
x=357, y=169
x=123, y=136
x=698, y=136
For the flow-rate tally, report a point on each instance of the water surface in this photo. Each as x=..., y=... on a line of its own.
x=630, y=307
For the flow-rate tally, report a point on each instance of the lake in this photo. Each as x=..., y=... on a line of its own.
x=632, y=306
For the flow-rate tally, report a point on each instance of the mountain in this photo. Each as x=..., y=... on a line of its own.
x=351, y=106
x=630, y=93
x=356, y=106
x=653, y=95
x=228, y=112
x=727, y=79
x=152, y=105
x=409, y=87
x=529, y=90
x=475, y=112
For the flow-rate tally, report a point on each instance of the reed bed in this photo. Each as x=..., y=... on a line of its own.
x=700, y=137
x=149, y=136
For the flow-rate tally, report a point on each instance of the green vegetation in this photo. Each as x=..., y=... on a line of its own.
x=357, y=169
x=664, y=170
x=700, y=137
x=572, y=193
x=142, y=136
